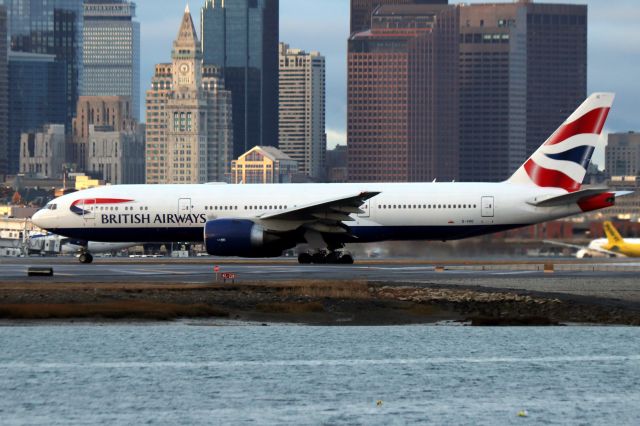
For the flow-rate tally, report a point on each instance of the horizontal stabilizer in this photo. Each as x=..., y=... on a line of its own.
x=570, y=198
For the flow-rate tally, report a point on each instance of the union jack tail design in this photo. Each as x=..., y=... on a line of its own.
x=562, y=161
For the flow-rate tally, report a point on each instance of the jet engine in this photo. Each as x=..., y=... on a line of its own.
x=242, y=238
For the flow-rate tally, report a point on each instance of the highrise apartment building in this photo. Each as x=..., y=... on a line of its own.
x=189, y=118
x=361, y=10
x=623, y=154
x=4, y=95
x=522, y=72
x=241, y=38
x=302, y=109
x=52, y=27
x=403, y=95
x=111, y=52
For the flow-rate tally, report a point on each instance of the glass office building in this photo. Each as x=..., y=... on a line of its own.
x=241, y=37
x=36, y=97
x=51, y=27
x=111, y=50
x=4, y=83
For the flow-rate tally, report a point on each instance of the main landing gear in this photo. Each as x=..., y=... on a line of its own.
x=325, y=258
x=85, y=258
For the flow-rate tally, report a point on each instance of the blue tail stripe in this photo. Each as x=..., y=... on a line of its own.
x=580, y=155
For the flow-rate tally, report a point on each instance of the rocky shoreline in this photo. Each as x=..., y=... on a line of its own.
x=307, y=302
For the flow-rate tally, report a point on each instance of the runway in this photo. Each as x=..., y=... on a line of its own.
x=603, y=279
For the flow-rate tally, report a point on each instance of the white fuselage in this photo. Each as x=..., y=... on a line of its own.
x=402, y=211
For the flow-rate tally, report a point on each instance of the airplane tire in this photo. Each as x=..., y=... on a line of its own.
x=347, y=259
x=319, y=258
x=85, y=258
x=333, y=258
x=305, y=259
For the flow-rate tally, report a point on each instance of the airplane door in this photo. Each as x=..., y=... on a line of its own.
x=488, y=206
x=87, y=213
x=366, y=209
x=184, y=206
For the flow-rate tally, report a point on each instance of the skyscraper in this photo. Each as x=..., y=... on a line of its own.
x=361, y=10
x=111, y=52
x=302, y=109
x=241, y=38
x=37, y=96
x=522, y=72
x=556, y=66
x=4, y=93
x=189, y=119
x=52, y=27
x=403, y=96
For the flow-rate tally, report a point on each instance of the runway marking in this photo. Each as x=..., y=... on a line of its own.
x=516, y=273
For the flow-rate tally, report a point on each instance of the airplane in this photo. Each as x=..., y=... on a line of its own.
x=83, y=250
x=253, y=221
x=612, y=246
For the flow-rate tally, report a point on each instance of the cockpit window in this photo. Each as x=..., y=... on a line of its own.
x=51, y=207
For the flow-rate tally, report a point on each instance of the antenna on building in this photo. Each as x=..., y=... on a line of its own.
x=186, y=9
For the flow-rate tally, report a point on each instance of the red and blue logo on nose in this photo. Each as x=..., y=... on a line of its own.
x=77, y=206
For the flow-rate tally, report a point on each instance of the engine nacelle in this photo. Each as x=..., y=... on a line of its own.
x=242, y=238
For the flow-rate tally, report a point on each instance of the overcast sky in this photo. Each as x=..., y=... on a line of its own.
x=323, y=25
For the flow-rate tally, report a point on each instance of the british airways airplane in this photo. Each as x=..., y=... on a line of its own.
x=264, y=220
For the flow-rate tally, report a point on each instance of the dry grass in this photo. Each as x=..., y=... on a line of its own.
x=324, y=289
x=110, y=310
x=290, y=308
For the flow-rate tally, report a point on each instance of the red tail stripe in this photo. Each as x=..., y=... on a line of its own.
x=547, y=178
x=592, y=122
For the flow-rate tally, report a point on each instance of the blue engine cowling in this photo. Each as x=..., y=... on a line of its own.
x=241, y=238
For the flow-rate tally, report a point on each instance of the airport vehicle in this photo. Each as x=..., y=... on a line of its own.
x=612, y=246
x=83, y=250
x=264, y=220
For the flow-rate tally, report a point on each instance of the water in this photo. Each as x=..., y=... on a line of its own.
x=182, y=373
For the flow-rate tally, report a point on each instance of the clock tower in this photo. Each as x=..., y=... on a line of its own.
x=187, y=55
x=189, y=116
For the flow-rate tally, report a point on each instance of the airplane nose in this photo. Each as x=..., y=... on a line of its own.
x=40, y=219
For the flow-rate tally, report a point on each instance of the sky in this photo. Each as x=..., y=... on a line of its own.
x=323, y=25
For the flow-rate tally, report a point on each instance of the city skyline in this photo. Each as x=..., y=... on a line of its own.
x=324, y=26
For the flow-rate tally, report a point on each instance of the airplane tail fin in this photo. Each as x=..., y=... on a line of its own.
x=562, y=161
x=612, y=233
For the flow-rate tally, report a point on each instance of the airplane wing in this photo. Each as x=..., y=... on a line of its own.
x=325, y=216
x=577, y=247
